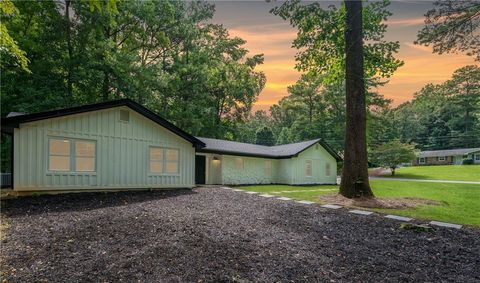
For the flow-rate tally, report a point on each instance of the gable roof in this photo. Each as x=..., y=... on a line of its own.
x=11, y=122
x=447, y=152
x=255, y=150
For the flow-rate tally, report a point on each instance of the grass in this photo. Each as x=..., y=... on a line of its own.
x=458, y=202
x=440, y=172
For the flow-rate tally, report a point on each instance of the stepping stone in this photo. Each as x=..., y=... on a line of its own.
x=361, y=212
x=305, y=202
x=237, y=190
x=226, y=188
x=284, y=198
x=445, y=224
x=266, y=196
x=251, y=192
x=331, y=206
x=396, y=217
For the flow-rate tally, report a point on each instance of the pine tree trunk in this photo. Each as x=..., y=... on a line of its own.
x=355, y=167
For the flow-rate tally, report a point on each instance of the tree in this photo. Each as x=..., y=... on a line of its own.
x=9, y=47
x=355, y=181
x=264, y=136
x=321, y=40
x=452, y=26
x=392, y=154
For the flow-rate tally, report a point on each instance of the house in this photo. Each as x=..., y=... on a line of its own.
x=123, y=145
x=447, y=156
x=231, y=163
x=112, y=145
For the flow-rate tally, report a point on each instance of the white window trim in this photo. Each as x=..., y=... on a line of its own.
x=477, y=157
x=164, y=161
x=420, y=160
x=441, y=158
x=73, y=156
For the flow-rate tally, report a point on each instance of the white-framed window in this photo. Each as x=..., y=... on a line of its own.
x=421, y=160
x=71, y=155
x=239, y=163
x=308, y=168
x=441, y=158
x=477, y=157
x=267, y=168
x=59, y=154
x=328, y=169
x=85, y=152
x=164, y=160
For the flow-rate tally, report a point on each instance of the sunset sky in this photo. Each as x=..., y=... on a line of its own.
x=270, y=35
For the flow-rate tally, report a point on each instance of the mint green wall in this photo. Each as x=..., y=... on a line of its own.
x=253, y=171
x=319, y=157
x=284, y=171
x=122, y=159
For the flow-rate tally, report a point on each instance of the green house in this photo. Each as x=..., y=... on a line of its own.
x=120, y=145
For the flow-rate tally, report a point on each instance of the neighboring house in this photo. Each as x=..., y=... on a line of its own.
x=447, y=156
x=228, y=162
x=122, y=145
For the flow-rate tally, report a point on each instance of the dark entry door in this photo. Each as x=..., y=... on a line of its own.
x=199, y=169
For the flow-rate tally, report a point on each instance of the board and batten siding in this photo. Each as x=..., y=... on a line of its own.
x=319, y=157
x=122, y=153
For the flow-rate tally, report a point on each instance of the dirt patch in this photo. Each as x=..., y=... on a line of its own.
x=377, y=202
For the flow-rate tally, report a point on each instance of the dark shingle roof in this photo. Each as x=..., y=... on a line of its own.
x=447, y=152
x=10, y=122
x=255, y=150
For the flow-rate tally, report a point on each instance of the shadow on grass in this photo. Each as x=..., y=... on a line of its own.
x=33, y=205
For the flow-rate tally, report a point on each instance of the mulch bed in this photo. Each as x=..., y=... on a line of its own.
x=400, y=203
x=215, y=235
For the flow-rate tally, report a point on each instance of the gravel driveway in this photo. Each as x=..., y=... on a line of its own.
x=220, y=235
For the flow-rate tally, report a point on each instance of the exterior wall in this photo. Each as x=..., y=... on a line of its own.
x=319, y=157
x=475, y=156
x=283, y=171
x=434, y=161
x=122, y=153
x=253, y=171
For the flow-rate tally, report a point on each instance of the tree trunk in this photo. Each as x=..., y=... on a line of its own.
x=355, y=167
x=393, y=171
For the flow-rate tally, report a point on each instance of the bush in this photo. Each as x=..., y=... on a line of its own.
x=467, y=161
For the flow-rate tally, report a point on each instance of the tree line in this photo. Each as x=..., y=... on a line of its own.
x=166, y=55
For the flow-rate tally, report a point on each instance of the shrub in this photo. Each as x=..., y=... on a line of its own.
x=467, y=161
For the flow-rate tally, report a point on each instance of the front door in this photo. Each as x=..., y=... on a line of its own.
x=199, y=169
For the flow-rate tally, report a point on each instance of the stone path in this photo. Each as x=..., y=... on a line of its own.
x=335, y=206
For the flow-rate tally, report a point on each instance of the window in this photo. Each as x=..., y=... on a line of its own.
x=71, y=155
x=421, y=160
x=268, y=168
x=441, y=158
x=124, y=115
x=477, y=156
x=84, y=156
x=164, y=160
x=308, y=168
x=327, y=169
x=172, y=161
x=239, y=163
x=58, y=155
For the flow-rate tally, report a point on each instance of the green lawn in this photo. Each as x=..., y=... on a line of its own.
x=459, y=203
x=440, y=172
